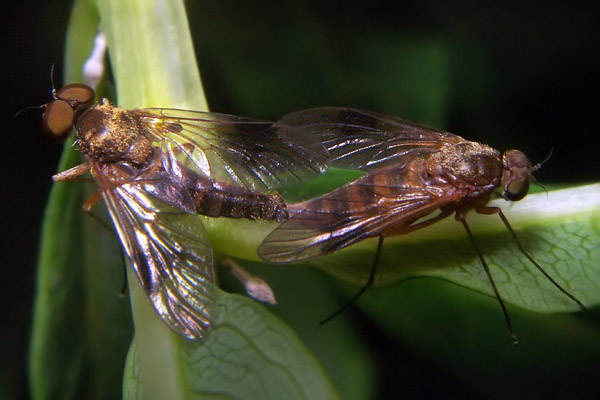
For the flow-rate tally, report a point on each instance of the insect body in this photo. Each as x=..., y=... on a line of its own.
x=413, y=172
x=156, y=169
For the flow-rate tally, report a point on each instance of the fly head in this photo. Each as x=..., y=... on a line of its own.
x=516, y=175
x=60, y=114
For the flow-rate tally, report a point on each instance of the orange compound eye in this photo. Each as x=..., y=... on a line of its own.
x=58, y=119
x=77, y=95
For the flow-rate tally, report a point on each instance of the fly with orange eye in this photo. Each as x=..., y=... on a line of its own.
x=412, y=172
x=156, y=169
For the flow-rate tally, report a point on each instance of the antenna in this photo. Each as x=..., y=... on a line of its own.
x=538, y=166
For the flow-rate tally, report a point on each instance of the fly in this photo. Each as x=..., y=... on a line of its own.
x=412, y=172
x=156, y=169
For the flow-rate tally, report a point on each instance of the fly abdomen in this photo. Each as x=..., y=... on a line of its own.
x=215, y=202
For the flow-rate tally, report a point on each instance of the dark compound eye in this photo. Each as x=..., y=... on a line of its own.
x=60, y=113
x=516, y=189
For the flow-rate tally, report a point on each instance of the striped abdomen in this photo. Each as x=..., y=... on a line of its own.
x=236, y=203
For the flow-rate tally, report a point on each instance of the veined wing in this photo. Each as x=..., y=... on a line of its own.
x=169, y=253
x=371, y=206
x=368, y=141
x=256, y=155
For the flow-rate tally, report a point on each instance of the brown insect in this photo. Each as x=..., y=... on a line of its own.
x=156, y=169
x=413, y=171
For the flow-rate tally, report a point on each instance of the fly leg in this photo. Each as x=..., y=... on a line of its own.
x=87, y=208
x=367, y=285
x=461, y=217
x=256, y=287
x=73, y=175
x=496, y=210
x=398, y=231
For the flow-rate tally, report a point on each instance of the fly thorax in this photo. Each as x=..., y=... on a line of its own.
x=467, y=163
x=109, y=134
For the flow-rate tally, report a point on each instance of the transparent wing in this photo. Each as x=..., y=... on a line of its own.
x=169, y=253
x=365, y=208
x=256, y=155
x=368, y=141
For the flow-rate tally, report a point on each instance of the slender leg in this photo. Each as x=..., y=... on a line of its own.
x=87, y=208
x=496, y=210
x=72, y=174
x=515, y=339
x=364, y=288
x=400, y=231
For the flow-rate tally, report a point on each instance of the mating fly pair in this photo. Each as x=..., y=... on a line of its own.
x=413, y=171
x=156, y=169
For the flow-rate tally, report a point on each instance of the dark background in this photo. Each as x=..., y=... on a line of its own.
x=515, y=75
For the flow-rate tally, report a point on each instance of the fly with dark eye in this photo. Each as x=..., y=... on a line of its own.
x=412, y=171
x=157, y=169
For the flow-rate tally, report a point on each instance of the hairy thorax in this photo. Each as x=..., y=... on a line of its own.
x=466, y=164
x=109, y=134
x=473, y=170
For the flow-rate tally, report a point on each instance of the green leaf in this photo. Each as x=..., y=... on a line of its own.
x=305, y=297
x=559, y=229
x=248, y=354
